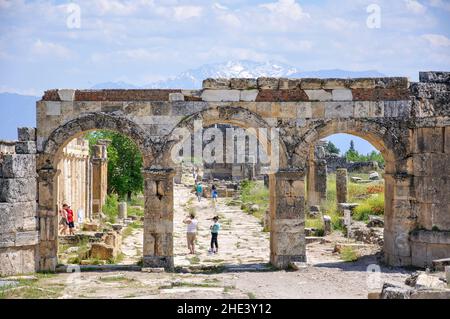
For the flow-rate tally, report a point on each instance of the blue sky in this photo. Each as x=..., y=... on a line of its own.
x=140, y=41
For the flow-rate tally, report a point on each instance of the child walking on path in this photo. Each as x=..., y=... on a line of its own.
x=214, y=233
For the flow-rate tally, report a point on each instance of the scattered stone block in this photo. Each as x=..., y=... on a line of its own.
x=102, y=251
x=426, y=281
x=90, y=227
x=375, y=221
x=440, y=264
x=393, y=292
x=374, y=176
x=355, y=179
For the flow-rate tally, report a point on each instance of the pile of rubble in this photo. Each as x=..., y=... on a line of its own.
x=420, y=285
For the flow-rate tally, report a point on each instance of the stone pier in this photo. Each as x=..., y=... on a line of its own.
x=341, y=185
x=287, y=205
x=317, y=176
x=158, y=220
x=18, y=224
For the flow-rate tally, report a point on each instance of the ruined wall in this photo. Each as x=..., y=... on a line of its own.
x=429, y=204
x=18, y=223
x=390, y=113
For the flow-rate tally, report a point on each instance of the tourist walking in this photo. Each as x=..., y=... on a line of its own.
x=191, y=232
x=199, y=190
x=63, y=223
x=214, y=234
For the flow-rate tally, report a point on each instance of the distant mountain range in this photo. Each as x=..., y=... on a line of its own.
x=20, y=110
x=192, y=79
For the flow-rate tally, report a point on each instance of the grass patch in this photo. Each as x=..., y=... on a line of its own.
x=194, y=260
x=349, y=254
x=254, y=192
x=251, y=295
x=374, y=205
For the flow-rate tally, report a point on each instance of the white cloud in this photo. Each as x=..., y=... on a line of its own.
x=289, y=9
x=415, y=6
x=437, y=40
x=187, y=12
x=50, y=49
x=441, y=4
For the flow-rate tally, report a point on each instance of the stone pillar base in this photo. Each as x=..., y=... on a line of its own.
x=48, y=264
x=165, y=262
x=283, y=261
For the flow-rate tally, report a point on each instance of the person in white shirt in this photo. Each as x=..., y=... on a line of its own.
x=191, y=232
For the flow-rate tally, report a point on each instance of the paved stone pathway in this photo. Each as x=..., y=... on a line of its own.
x=241, y=240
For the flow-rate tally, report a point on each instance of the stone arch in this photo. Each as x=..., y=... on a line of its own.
x=387, y=139
x=400, y=218
x=47, y=211
x=235, y=116
x=62, y=135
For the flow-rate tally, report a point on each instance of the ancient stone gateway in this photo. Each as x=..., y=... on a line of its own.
x=409, y=123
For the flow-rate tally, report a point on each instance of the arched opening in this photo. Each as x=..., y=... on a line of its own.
x=73, y=170
x=345, y=196
x=100, y=178
x=395, y=235
x=242, y=185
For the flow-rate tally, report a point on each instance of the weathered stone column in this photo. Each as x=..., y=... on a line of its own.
x=317, y=176
x=99, y=176
x=341, y=185
x=158, y=220
x=287, y=205
x=47, y=213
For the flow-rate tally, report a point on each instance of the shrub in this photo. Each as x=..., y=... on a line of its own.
x=110, y=209
x=349, y=254
x=372, y=206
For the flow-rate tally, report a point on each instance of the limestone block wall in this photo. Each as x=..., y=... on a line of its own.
x=18, y=223
x=407, y=122
x=430, y=202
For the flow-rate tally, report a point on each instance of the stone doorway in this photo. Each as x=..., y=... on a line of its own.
x=346, y=185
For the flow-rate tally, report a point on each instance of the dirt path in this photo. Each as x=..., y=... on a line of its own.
x=241, y=239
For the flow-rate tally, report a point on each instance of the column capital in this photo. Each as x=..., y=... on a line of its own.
x=158, y=173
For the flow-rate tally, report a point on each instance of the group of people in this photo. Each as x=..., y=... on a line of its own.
x=191, y=233
x=199, y=192
x=66, y=221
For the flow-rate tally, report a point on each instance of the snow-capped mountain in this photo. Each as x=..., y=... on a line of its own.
x=192, y=79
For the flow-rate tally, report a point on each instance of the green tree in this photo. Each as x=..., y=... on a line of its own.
x=332, y=149
x=124, y=164
x=352, y=154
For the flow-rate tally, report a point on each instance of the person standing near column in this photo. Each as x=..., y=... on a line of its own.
x=191, y=232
